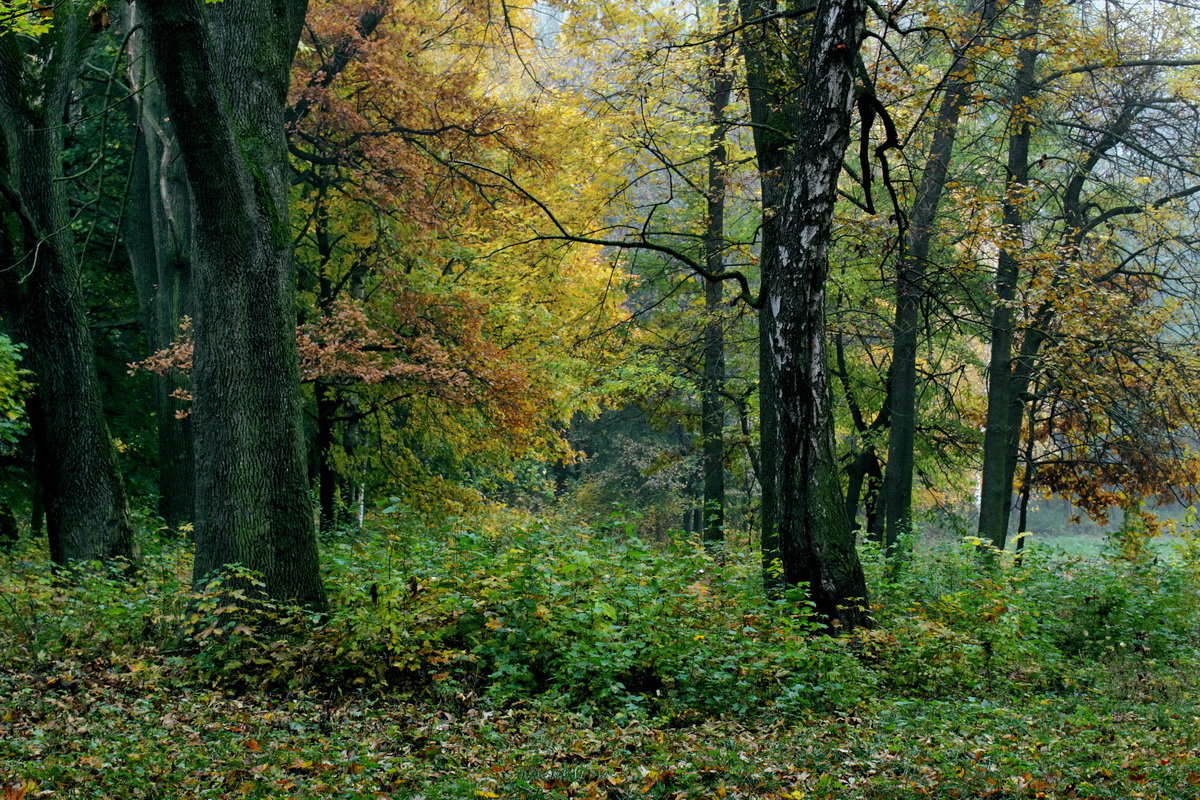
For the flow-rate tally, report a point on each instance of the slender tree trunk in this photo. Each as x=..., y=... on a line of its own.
x=816, y=540
x=863, y=477
x=353, y=488
x=1001, y=438
x=1027, y=478
x=224, y=69
x=37, y=511
x=9, y=533
x=911, y=276
x=157, y=233
x=864, y=472
x=327, y=478
x=713, y=386
x=41, y=292
x=1025, y=366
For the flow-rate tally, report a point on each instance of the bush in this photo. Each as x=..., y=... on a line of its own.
x=953, y=625
x=517, y=608
x=507, y=609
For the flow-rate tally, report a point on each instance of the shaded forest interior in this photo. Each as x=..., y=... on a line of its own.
x=466, y=374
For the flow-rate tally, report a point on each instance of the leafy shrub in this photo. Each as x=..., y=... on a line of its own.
x=1108, y=607
x=90, y=611
x=950, y=624
x=520, y=608
x=507, y=609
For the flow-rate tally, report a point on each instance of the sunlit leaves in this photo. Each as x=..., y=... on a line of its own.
x=14, y=385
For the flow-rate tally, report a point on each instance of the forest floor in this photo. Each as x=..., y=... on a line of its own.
x=127, y=730
x=546, y=662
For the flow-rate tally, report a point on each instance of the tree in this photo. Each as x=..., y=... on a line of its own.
x=1111, y=178
x=912, y=269
x=41, y=294
x=224, y=69
x=801, y=109
x=157, y=234
x=712, y=411
x=816, y=541
x=472, y=338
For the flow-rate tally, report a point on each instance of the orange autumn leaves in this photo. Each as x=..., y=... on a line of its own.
x=437, y=347
x=433, y=301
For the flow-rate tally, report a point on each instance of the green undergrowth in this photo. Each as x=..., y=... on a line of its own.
x=507, y=656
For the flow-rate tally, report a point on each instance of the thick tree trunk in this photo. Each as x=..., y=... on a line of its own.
x=1001, y=439
x=815, y=537
x=713, y=385
x=772, y=85
x=41, y=292
x=224, y=69
x=911, y=274
x=157, y=233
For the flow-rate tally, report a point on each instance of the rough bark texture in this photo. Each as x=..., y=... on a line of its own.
x=712, y=399
x=157, y=231
x=911, y=276
x=224, y=69
x=816, y=540
x=773, y=81
x=1001, y=438
x=41, y=296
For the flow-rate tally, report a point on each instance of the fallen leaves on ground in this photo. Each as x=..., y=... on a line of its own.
x=91, y=730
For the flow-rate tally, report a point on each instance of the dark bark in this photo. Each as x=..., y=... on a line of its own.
x=1001, y=438
x=41, y=295
x=1029, y=457
x=864, y=476
x=157, y=229
x=37, y=511
x=224, y=69
x=911, y=288
x=816, y=541
x=328, y=485
x=864, y=473
x=9, y=533
x=773, y=80
x=713, y=385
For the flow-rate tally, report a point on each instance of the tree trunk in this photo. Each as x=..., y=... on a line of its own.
x=713, y=385
x=41, y=291
x=864, y=473
x=862, y=490
x=1001, y=439
x=9, y=532
x=327, y=404
x=157, y=232
x=816, y=540
x=911, y=272
x=772, y=86
x=224, y=70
